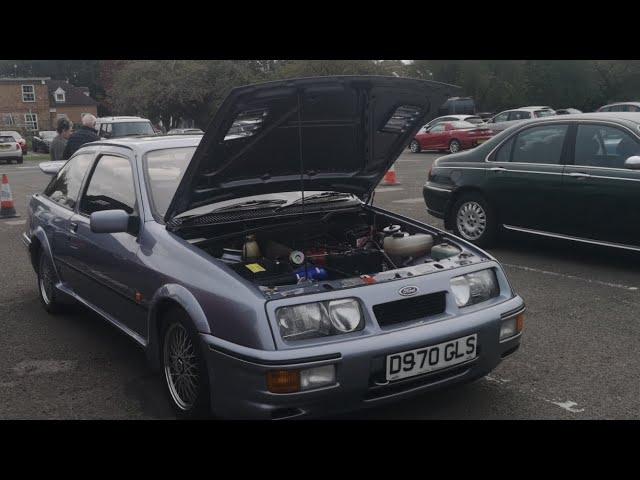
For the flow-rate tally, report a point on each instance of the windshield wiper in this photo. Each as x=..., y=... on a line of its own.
x=331, y=196
x=251, y=204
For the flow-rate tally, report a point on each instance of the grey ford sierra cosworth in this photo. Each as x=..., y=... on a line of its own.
x=252, y=266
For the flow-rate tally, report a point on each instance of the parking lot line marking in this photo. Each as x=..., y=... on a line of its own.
x=388, y=189
x=571, y=277
x=569, y=406
x=409, y=200
x=15, y=222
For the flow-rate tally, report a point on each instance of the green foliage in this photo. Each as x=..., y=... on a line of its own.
x=164, y=89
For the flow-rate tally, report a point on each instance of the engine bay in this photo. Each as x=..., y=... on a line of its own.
x=331, y=251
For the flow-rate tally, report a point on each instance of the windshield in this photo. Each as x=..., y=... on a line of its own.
x=122, y=129
x=164, y=170
x=6, y=139
x=474, y=120
x=544, y=113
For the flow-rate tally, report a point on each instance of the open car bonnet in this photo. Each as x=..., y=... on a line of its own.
x=329, y=133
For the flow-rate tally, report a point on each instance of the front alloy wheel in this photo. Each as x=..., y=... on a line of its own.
x=414, y=147
x=185, y=374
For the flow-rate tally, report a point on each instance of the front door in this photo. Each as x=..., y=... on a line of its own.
x=433, y=138
x=524, y=177
x=601, y=193
x=109, y=262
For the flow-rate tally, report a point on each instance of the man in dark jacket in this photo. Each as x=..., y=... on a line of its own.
x=85, y=134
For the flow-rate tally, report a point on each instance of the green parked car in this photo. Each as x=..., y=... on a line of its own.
x=574, y=177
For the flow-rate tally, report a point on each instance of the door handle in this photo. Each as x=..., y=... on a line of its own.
x=579, y=175
x=498, y=169
x=73, y=227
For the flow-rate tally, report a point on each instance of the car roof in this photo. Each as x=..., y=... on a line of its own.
x=542, y=107
x=121, y=119
x=624, y=118
x=621, y=103
x=145, y=144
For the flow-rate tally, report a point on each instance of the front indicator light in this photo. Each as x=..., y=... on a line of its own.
x=283, y=381
x=512, y=326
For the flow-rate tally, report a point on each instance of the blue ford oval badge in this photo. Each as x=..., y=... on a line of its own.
x=408, y=290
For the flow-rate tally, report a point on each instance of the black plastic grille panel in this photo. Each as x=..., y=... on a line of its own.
x=408, y=309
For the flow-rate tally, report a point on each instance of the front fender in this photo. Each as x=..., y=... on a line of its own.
x=181, y=296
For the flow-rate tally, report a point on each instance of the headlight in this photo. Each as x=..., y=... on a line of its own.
x=319, y=319
x=474, y=287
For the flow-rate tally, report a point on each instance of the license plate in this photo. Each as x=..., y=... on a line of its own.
x=429, y=359
x=5, y=147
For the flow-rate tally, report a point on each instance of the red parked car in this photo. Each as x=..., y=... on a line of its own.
x=450, y=136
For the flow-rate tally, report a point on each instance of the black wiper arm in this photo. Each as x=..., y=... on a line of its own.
x=251, y=204
x=329, y=196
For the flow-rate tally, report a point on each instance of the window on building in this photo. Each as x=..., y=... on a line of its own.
x=60, y=95
x=7, y=119
x=31, y=121
x=28, y=93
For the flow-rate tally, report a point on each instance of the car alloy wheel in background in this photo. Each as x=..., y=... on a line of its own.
x=474, y=220
x=471, y=220
x=454, y=146
x=414, y=146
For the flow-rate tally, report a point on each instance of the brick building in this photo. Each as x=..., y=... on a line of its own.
x=32, y=104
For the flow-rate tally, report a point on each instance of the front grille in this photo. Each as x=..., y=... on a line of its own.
x=410, y=308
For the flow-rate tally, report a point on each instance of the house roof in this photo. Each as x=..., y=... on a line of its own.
x=73, y=95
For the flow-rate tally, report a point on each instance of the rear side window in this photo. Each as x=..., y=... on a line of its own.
x=110, y=187
x=632, y=108
x=65, y=186
x=504, y=152
x=474, y=120
x=541, y=144
x=604, y=146
x=503, y=117
x=520, y=115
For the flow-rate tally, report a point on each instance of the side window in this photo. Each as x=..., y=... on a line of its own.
x=504, y=152
x=65, y=186
x=617, y=108
x=541, y=144
x=520, y=115
x=437, y=128
x=503, y=117
x=603, y=146
x=605, y=109
x=110, y=187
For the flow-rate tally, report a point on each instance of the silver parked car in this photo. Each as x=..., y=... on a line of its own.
x=254, y=298
x=508, y=118
x=10, y=149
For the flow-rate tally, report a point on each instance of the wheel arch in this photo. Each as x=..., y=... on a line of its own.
x=167, y=297
x=40, y=244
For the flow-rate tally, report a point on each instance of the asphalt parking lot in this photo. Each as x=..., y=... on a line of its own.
x=578, y=359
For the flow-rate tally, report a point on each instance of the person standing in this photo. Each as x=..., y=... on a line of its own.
x=85, y=134
x=56, y=149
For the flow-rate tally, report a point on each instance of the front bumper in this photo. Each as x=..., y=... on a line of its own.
x=237, y=374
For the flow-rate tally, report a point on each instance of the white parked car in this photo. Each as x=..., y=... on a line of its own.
x=10, y=149
x=505, y=119
x=116, y=127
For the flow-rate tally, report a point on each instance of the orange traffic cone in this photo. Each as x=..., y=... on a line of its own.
x=390, y=177
x=7, y=210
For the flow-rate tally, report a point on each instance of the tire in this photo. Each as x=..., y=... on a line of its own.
x=20, y=160
x=46, y=286
x=454, y=146
x=473, y=219
x=189, y=398
x=414, y=146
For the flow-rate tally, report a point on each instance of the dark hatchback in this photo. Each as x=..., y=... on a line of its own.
x=573, y=177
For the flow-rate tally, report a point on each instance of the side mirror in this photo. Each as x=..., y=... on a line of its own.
x=52, y=168
x=109, y=221
x=632, y=163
